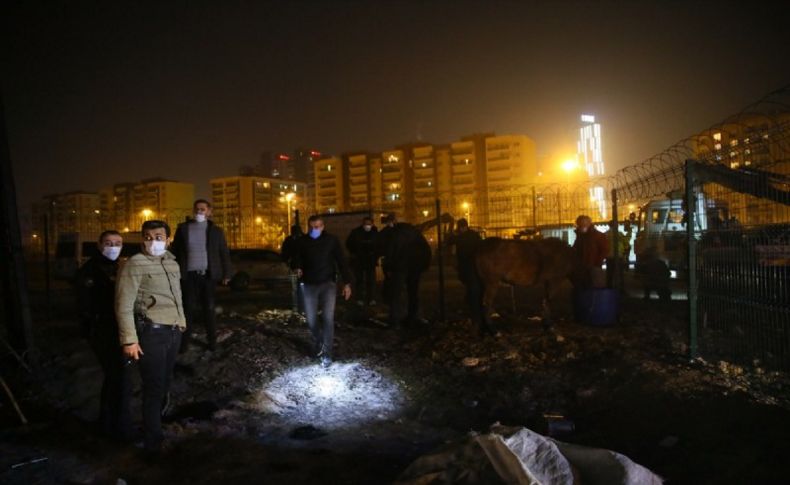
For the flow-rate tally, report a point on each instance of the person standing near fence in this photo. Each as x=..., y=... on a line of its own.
x=592, y=248
x=361, y=245
x=406, y=256
x=466, y=242
x=204, y=259
x=96, y=301
x=319, y=258
x=151, y=319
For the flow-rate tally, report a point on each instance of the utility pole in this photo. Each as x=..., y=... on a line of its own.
x=12, y=263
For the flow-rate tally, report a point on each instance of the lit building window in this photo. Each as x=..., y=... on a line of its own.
x=765, y=137
x=734, y=143
x=733, y=154
x=329, y=168
x=747, y=163
x=717, y=136
x=734, y=164
x=747, y=151
x=717, y=146
x=746, y=140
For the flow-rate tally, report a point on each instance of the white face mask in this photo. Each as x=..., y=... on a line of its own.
x=200, y=217
x=111, y=252
x=367, y=227
x=155, y=248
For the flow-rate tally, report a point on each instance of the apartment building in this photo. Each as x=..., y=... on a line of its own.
x=255, y=211
x=160, y=199
x=329, y=185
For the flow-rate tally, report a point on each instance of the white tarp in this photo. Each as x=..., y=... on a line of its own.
x=515, y=455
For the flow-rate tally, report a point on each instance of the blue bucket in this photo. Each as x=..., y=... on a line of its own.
x=596, y=306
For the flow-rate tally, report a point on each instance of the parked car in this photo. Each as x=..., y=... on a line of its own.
x=257, y=266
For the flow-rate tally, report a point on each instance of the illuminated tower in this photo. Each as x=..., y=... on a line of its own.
x=590, y=154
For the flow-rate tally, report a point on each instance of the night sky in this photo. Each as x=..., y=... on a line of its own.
x=123, y=91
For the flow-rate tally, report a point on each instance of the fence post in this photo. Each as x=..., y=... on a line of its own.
x=47, y=289
x=691, y=242
x=534, y=208
x=559, y=206
x=613, y=269
x=439, y=254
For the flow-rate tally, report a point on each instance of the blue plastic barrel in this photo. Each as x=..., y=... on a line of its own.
x=596, y=306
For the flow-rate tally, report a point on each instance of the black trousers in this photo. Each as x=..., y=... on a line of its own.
x=474, y=291
x=365, y=282
x=393, y=288
x=115, y=417
x=198, y=292
x=160, y=347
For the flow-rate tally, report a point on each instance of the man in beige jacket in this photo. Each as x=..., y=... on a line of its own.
x=150, y=317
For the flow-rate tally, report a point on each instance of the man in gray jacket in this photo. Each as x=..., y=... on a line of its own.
x=150, y=318
x=203, y=256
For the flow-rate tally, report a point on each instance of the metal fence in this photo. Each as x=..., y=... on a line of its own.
x=740, y=293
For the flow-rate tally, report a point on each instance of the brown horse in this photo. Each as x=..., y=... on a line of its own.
x=545, y=262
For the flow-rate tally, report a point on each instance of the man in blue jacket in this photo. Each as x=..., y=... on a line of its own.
x=319, y=257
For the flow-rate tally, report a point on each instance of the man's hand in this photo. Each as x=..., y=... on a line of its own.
x=347, y=292
x=225, y=281
x=132, y=351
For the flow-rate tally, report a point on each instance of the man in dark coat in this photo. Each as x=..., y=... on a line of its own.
x=406, y=255
x=204, y=259
x=96, y=297
x=288, y=252
x=318, y=260
x=592, y=248
x=466, y=242
x=361, y=247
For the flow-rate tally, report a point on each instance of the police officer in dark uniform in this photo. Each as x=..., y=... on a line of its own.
x=96, y=295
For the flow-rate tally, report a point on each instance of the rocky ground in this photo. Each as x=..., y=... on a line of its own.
x=259, y=410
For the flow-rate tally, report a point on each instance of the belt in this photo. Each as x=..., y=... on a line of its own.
x=160, y=326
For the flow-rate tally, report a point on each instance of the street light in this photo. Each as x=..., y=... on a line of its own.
x=570, y=165
x=466, y=206
x=146, y=213
x=288, y=198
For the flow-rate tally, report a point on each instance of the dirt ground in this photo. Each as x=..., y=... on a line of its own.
x=258, y=410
